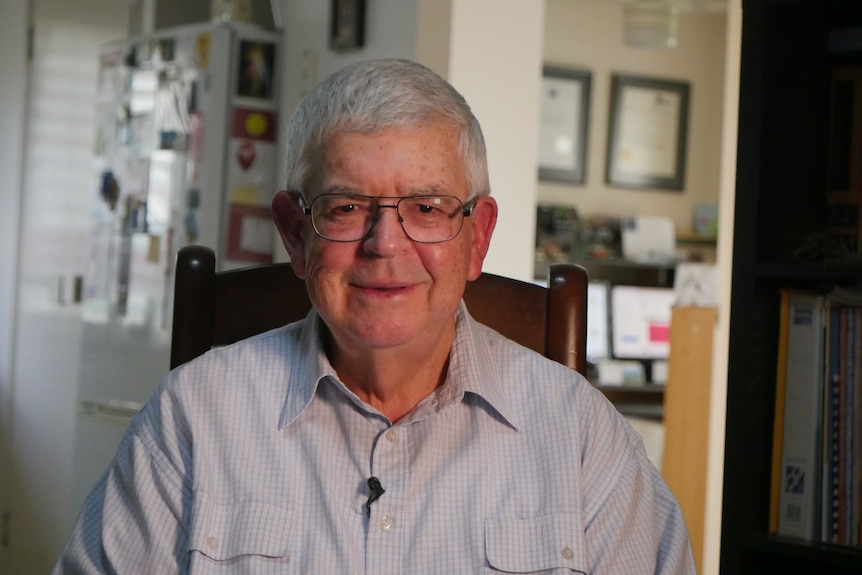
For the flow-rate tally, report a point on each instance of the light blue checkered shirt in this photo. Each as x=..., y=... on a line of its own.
x=255, y=459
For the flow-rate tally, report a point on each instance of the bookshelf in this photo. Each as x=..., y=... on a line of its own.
x=781, y=239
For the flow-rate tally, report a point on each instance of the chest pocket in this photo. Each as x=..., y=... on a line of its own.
x=247, y=538
x=549, y=544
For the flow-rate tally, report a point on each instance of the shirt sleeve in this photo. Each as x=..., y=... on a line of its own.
x=633, y=524
x=134, y=520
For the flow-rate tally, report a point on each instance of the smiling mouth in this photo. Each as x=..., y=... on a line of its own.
x=383, y=289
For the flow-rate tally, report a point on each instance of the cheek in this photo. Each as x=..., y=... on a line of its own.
x=451, y=269
x=322, y=290
x=323, y=276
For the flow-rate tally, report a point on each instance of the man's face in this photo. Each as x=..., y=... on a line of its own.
x=387, y=290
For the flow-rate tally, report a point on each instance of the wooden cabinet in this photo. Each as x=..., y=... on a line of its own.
x=790, y=51
x=686, y=416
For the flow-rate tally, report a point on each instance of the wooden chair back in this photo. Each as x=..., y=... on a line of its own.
x=217, y=308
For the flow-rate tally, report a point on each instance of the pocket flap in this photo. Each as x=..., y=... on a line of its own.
x=225, y=531
x=529, y=545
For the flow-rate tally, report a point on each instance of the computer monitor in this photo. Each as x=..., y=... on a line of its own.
x=640, y=322
x=598, y=321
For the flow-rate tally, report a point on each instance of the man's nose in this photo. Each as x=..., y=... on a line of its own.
x=385, y=230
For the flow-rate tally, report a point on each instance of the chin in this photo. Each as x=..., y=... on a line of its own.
x=382, y=335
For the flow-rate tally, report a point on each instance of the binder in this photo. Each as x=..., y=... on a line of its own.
x=799, y=496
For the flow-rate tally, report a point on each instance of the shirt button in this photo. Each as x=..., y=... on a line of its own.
x=386, y=523
x=212, y=543
x=567, y=553
x=391, y=436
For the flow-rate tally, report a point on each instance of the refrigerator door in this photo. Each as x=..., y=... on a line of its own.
x=186, y=153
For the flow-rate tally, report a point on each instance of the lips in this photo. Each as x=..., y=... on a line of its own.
x=383, y=287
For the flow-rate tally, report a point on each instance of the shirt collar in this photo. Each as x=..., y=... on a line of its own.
x=309, y=369
x=474, y=369
x=471, y=370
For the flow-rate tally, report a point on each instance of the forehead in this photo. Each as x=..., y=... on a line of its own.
x=392, y=159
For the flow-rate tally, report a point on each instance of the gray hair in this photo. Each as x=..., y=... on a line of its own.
x=377, y=94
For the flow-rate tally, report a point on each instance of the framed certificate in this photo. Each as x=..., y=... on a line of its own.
x=347, y=25
x=647, y=133
x=565, y=113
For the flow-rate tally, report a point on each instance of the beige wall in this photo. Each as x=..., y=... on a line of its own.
x=588, y=34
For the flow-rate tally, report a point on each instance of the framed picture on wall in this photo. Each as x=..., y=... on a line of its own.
x=347, y=24
x=647, y=132
x=565, y=113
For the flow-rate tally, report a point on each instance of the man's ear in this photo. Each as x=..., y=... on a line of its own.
x=484, y=219
x=290, y=221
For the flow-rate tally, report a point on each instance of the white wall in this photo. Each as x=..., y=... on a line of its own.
x=13, y=65
x=589, y=34
x=724, y=266
x=58, y=179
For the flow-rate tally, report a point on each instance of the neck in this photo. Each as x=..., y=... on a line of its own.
x=392, y=380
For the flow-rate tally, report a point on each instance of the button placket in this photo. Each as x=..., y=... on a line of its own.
x=386, y=536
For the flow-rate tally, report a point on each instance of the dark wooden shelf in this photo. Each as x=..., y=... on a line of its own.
x=646, y=401
x=648, y=393
x=620, y=271
x=775, y=554
x=784, y=169
x=849, y=270
x=693, y=238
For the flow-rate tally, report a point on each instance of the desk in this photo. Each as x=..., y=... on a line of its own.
x=644, y=401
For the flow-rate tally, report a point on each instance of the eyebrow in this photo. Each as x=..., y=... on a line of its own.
x=346, y=190
x=432, y=190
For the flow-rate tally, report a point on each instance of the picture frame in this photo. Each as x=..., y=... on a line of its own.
x=347, y=25
x=563, y=124
x=256, y=64
x=647, y=132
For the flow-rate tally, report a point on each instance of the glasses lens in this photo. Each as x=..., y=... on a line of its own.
x=431, y=218
x=341, y=217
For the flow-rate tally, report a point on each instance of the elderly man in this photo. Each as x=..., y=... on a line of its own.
x=388, y=432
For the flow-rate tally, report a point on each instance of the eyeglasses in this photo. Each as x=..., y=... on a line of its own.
x=350, y=217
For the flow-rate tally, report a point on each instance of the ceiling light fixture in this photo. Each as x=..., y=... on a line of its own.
x=653, y=24
x=650, y=24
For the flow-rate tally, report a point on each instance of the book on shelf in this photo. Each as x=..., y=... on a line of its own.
x=849, y=415
x=855, y=377
x=778, y=422
x=817, y=459
x=841, y=429
x=799, y=496
x=849, y=477
x=831, y=431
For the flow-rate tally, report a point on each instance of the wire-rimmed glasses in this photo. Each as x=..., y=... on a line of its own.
x=350, y=217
